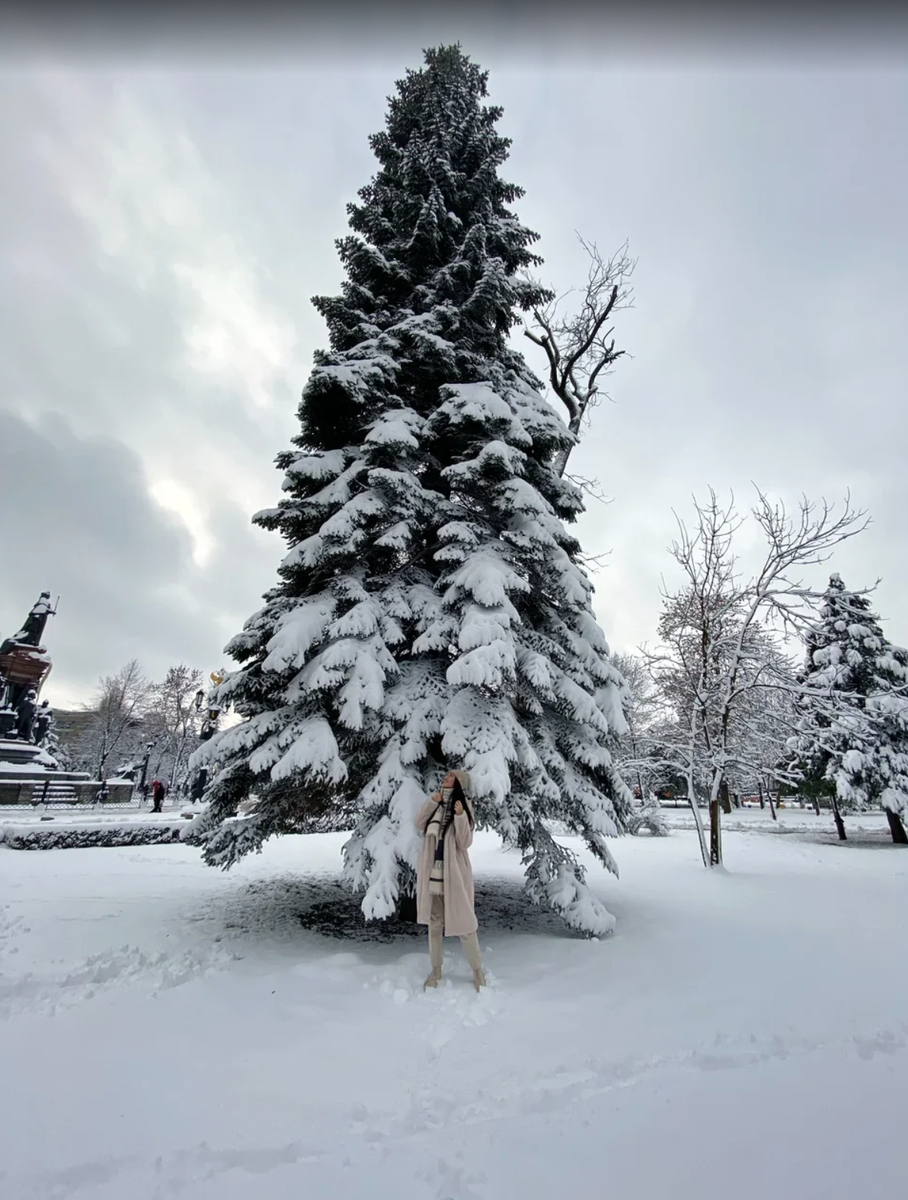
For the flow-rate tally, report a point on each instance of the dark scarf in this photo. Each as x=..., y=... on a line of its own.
x=450, y=798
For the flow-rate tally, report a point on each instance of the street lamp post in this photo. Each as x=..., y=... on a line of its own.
x=209, y=728
x=143, y=782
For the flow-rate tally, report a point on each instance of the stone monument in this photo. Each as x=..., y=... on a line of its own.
x=29, y=771
x=24, y=667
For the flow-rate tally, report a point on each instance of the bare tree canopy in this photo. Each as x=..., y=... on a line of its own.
x=119, y=707
x=720, y=633
x=173, y=721
x=132, y=720
x=579, y=344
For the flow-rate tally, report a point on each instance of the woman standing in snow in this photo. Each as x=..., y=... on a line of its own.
x=444, y=877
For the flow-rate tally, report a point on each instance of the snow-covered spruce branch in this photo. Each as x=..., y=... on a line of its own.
x=579, y=344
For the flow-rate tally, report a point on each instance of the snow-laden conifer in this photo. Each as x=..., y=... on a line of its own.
x=432, y=608
x=853, y=729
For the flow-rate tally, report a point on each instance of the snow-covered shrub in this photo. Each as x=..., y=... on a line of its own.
x=648, y=816
x=75, y=837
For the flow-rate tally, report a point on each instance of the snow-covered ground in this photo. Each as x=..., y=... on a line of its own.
x=167, y=1030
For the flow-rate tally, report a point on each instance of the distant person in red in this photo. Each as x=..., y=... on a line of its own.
x=158, y=792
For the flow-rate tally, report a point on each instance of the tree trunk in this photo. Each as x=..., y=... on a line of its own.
x=698, y=820
x=772, y=807
x=719, y=802
x=816, y=805
x=178, y=760
x=636, y=760
x=839, y=823
x=715, y=832
x=760, y=793
x=896, y=828
x=406, y=908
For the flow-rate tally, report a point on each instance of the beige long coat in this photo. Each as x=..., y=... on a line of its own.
x=460, y=915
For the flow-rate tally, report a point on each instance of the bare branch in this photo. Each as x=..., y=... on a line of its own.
x=590, y=487
x=577, y=345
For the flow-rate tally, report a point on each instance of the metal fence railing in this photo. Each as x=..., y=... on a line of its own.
x=79, y=796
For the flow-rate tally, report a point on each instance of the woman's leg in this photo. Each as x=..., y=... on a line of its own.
x=470, y=944
x=436, y=939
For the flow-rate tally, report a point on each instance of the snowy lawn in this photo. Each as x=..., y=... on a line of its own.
x=166, y=1030
x=868, y=828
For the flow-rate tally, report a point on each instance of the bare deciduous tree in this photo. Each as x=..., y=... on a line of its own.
x=641, y=707
x=119, y=707
x=720, y=634
x=579, y=345
x=173, y=720
x=767, y=721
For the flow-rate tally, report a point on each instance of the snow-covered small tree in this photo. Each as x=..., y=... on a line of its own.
x=637, y=755
x=432, y=608
x=852, y=739
x=719, y=634
x=640, y=710
x=55, y=748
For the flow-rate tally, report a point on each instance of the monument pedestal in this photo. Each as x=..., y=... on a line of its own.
x=18, y=753
x=9, y=718
x=23, y=667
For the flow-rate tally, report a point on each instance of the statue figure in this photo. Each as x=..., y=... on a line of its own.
x=32, y=631
x=8, y=716
x=44, y=719
x=23, y=661
x=26, y=715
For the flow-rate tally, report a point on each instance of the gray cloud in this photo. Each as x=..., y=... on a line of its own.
x=357, y=34
x=162, y=233
x=77, y=519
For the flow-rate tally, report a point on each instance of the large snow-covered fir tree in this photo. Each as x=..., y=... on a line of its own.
x=432, y=608
x=852, y=739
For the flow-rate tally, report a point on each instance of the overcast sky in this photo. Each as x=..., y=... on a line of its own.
x=163, y=227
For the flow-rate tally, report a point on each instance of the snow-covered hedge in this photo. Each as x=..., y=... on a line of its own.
x=74, y=837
